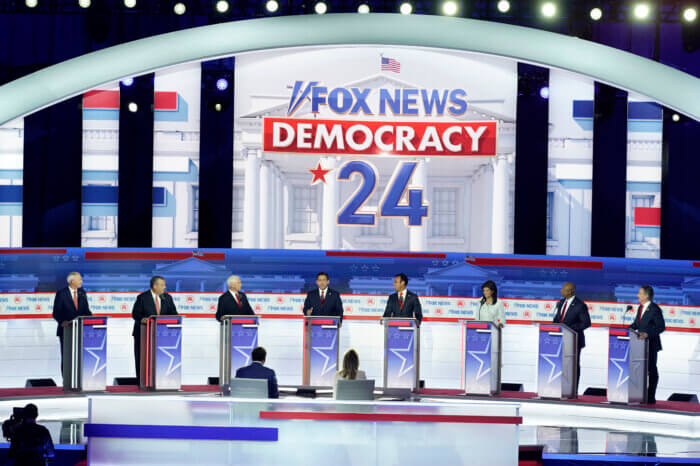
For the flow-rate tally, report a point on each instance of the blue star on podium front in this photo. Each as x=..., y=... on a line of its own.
x=246, y=350
x=547, y=357
x=396, y=352
x=621, y=369
x=171, y=368
x=475, y=354
x=326, y=358
x=92, y=351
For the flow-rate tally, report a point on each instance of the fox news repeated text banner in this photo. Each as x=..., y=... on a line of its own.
x=357, y=306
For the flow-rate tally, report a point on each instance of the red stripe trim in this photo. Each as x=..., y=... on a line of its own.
x=381, y=417
x=399, y=255
x=618, y=332
x=322, y=322
x=477, y=325
x=398, y=324
x=33, y=251
x=167, y=321
x=647, y=216
x=549, y=328
x=165, y=100
x=94, y=321
x=243, y=321
x=545, y=263
x=152, y=255
x=101, y=100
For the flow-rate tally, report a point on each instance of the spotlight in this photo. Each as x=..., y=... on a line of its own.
x=84, y=3
x=320, y=8
x=218, y=107
x=222, y=6
x=503, y=6
x=179, y=8
x=133, y=108
x=363, y=8
x=449, y=8
x=544, y=92
x=406, y=8
x=128, y=81
x=549, y=9
x=641, y=11
x=222, y=84
x=129, y=3
x=690, y=14
x=31, y=3
x=271, y=6
x=596, y=14
x=676, y=117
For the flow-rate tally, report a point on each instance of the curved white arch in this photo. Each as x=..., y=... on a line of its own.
x=664, y=84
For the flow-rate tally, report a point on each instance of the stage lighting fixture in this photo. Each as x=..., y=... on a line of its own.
x=549, y=9
x=222, y=6
x=596, y=14
x=406, y=8
x=133, y=108
x=222, y=84
x=84, y=3
x=690, y=14
x=449, y=8
x=503, y=6
x=128, y=81
x=271, y=6
x=544, y=92
x=31, y=3
x=676, y=117
x=363, y=8
x=320, y=8
x=179, y=8
x=129, y=3
x=218, y=107
x=641, y=11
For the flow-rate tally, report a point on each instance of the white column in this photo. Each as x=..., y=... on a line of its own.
x=329, y=228
x=499, y=206
x=279, y=210
x=417, y=235
x=251, y=205
x=265, y=204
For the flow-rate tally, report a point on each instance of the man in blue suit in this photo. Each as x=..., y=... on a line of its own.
x=650, y=324
x=258, y=371
x=323, y=301
x=573, y=312
x=69, y=303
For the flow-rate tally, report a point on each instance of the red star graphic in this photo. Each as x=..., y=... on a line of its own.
x=319, y=173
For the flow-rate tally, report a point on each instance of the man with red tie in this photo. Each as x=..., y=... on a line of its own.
x=69, y=303
x=573, y=312
x=153, y=302
x=650, y=324
x=403, y=303
x=323, y=300
x=234, y=302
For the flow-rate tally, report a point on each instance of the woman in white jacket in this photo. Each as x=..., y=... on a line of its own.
x=491, y=308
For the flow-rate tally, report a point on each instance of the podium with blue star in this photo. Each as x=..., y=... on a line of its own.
x=401, y=353
x=238, y=338
x=85, y=355
x=161, y=353
x=556, y=363
x=627, y=366
x=320, y=350
x=482, y=358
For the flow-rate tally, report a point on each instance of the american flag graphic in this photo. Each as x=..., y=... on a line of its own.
x=389, y=64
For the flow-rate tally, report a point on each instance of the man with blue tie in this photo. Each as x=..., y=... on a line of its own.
x=573, y=312
x=323, y=301
x=403, y=303
x=650, y=323
x=257, y=370
x=69, y=303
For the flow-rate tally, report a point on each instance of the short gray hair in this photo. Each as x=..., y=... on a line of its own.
x=71, y=276
x=231, y=278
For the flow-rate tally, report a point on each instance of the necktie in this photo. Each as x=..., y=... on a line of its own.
x=400, y=301
x=75, y=298
x=235, y=295
x=639, y=313
x=157, y=305
x=563, y=310
x=323, y=296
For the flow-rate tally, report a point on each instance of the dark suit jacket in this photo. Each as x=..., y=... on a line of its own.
x=228, y=307
x=576, y=317
x=146, y=307
x=653, y=324
x=258, y=371
x=64, y=309
x=332, y=304
x=411, y=307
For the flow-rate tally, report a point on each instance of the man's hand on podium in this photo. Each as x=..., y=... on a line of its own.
x=65, y=323
x=643, y=335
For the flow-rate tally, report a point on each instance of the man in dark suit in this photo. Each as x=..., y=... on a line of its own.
x=69, y=303
x=257, y=370
x=403, y=303
x=650, y=323
x=149, y=303
x=573, y=312
x=323, y=301
x=234, y=302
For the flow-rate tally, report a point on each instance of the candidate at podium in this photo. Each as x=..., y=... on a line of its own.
x=234, y=302
x=69, y=303
x=490, y=308
x=650, y=324
x=323, y=300
x=154, y=302
x=573, y=312
x=403, y=303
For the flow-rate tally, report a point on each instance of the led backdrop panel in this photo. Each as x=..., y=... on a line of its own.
x=11, y=179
